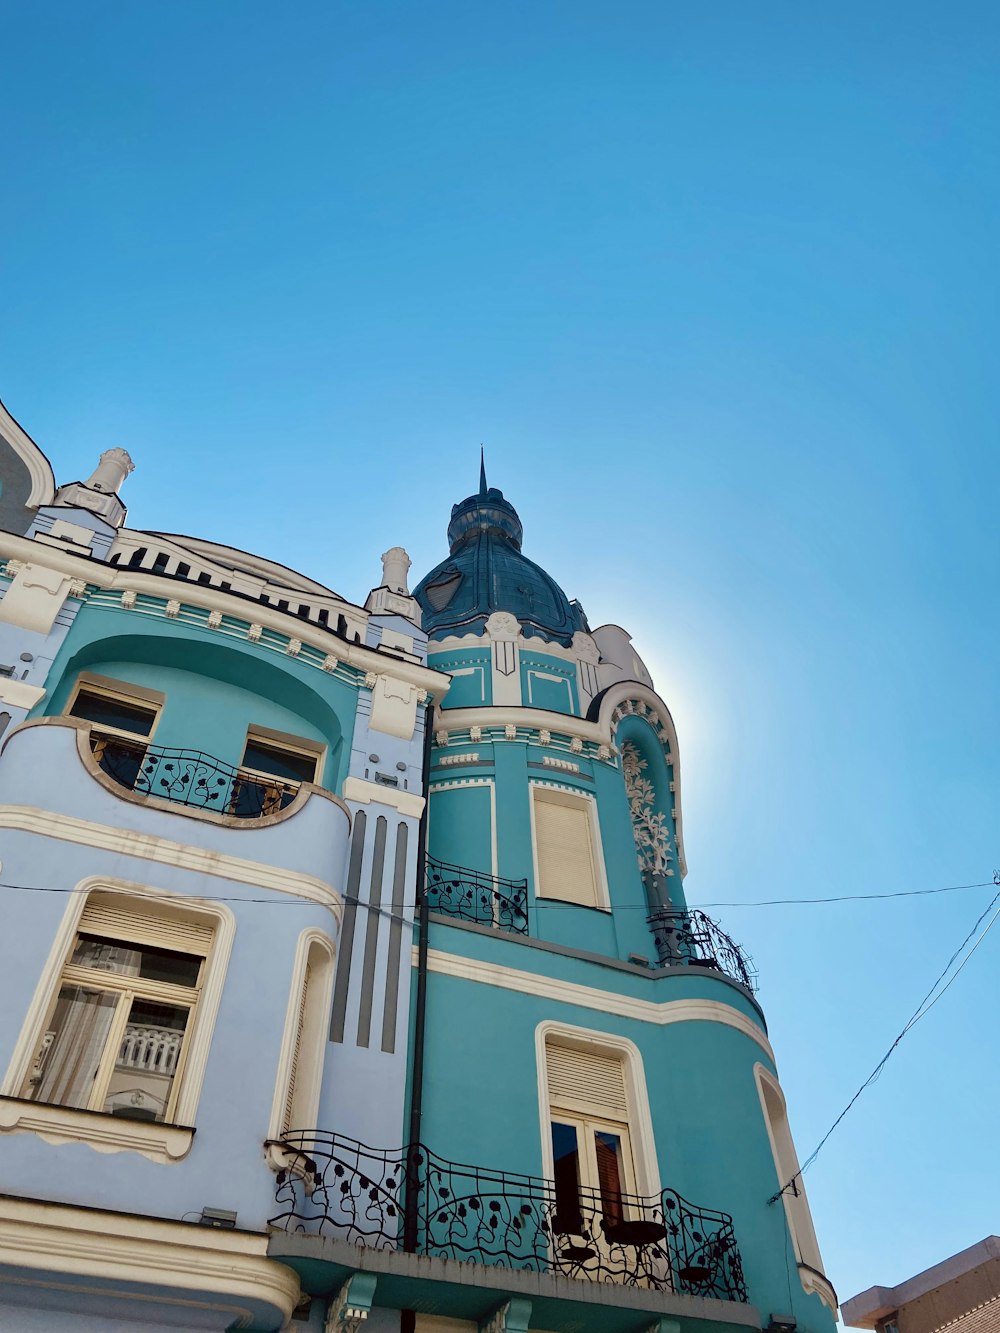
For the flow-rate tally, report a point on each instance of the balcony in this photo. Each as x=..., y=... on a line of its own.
x=411, y=1199
x=191, y=778
x=471, y=895
x=688, y=938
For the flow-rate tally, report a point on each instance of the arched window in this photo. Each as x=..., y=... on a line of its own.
x=786, y=1164
x=300, y=1067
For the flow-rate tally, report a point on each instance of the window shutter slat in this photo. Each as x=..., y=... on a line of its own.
x=117, y=923
x=565, y=852
x=585, y=1079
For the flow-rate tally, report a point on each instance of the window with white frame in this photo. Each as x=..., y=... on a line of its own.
x=593, y=1165
x=786, y=1163
x=272, y=769
x=117, y=1030
x=123, y=717
x=300, y=1069
x=568, y=860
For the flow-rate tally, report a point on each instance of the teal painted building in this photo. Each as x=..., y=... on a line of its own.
x=598, y=1137
x=348, y=978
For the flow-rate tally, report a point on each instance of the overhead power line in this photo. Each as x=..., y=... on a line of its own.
x=291, y=900
x=921, y=1011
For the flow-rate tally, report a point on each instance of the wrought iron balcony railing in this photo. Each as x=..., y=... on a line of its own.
x=690, y=938
x=191, y=778
x=474, y=896
x=332, y=1185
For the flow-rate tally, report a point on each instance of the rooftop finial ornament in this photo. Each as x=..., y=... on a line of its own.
x=482, y=471
x=114, y=466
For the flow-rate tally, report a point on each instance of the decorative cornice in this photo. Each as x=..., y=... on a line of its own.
x=148, y=1254
x=659, y=1013
x=164, y=851
x=564, y=732
x=364, y=793
x=133, y=583
x=104, y=1133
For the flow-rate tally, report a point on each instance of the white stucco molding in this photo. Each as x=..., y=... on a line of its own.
x=798, y=1214
x=211, y=599
x=230, y=1267
x=625, y=695
x=164, y=851
x=103, y=1133
x=19, y=694
x=35, y=596
x=364, y=793
x=531, y=719
x=659, y=1013
x=43, y=482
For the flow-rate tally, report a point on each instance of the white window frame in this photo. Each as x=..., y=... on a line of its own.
x=122, y=691
x=571, y=796
x=314, y=948
x=638, y=1122
x=157, y=1140
x=786, y=1164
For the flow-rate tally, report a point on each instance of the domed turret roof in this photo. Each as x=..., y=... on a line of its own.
x=486, y=572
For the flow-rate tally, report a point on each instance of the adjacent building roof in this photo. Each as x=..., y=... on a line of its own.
x=961, y=1294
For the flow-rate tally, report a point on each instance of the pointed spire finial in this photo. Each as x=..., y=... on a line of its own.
x=482, y=471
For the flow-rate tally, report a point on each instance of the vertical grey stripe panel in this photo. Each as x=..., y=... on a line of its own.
x=371, y=934
x=395, y=944
x=347, y=930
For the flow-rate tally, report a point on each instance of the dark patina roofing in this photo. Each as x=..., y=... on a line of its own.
x=486, y=572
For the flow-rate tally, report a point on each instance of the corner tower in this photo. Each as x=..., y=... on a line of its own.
x=591, y=1043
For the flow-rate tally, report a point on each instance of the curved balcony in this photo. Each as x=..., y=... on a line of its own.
x=331, y=1185
x=471, y=895
x=688, y=938
x=191, y=778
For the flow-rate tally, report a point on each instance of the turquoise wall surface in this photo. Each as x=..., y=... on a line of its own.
x=216, y=687
x=710, y=1136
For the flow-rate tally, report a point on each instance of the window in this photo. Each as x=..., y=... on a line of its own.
x=116, y=1034
x=786, y=1164
x=300, y=1068
x=591, y=1151
x=272, y=769
x=599, y=1209
x=123, y=715
x=568, y=859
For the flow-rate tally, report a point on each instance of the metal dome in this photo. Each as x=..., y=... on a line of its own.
x=487, y=572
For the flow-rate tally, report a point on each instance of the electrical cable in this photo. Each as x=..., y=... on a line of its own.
x=555, y=906
x=922, y=1009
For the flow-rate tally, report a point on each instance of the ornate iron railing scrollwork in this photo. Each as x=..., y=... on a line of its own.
x=190, y=778
x=687, y=937
x=473, y=1214
x=472, y=895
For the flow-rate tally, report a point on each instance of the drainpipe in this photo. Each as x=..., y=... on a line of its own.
x=410, y=1220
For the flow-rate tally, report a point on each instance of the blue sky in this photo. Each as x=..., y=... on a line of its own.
x=717, y=286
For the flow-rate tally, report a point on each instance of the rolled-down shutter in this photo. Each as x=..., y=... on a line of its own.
x=131, y=926
x=586, y=1081
x=564, y=849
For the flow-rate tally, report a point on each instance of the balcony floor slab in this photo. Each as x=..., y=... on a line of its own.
x=432, y=1285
